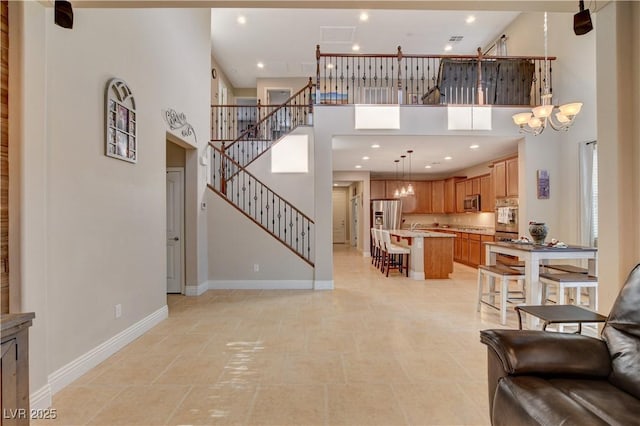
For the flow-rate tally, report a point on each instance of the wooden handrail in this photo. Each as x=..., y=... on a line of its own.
x=262, y=120
x=261, y=225
x=243, y=169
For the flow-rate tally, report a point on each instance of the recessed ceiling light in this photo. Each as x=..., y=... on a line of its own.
x=448, y=158
x=375, y=145
x=474, y=146
x=329, y=66
x=364, y=16
x=365, y=158
x=358, y=166
x=427, y=166
x=260, y=65
x=470, y=19
x=335, y=184
x=448, y=48
x=355, y=47
x=242, y=20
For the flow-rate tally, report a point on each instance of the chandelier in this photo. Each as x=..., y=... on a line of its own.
x=547, y=114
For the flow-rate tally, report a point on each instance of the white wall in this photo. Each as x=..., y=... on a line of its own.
x=228, y=230
x=618, y=85
x=100, y=226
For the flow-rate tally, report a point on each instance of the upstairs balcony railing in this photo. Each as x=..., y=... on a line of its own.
x=430, y=79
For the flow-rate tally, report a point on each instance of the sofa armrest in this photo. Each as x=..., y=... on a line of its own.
x=545, y=353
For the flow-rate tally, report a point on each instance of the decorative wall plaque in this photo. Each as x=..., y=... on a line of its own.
x=178, y=121
x=121, y=125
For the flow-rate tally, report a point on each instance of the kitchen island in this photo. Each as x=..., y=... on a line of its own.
x=431, y=253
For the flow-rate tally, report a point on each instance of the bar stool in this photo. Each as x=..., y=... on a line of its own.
x=573, y=282
x=390, y=255
x=380, y=248
x=375, y=248
x=504, y=274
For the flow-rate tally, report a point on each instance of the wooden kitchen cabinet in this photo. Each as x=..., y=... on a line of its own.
x=500, y=179
x=423, y=195
x=457, y=247
x=512, y=177
x=378, y=189
x=460, y=194
x=464, y=247
x=437, y=196
x=450, y=201
x=505, y=178
x=487, y=199
x=475, y=185
x=474, y=250
x=483, y=250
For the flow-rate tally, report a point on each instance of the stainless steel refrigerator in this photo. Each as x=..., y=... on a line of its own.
x=386, y=214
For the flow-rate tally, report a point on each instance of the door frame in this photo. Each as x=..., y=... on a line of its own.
x=355, y=221
x=183, y=280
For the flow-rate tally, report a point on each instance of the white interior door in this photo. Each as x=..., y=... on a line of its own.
x=339, y=217
x=175, y=240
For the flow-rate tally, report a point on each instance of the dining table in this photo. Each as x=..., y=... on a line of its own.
x=535, y=255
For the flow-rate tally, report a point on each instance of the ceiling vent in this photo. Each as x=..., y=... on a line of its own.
x=455, y=39
x=337, y=34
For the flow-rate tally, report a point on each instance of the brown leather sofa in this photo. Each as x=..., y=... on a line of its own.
x=546, y=378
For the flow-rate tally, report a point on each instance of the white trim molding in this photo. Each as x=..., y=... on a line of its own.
x=323, y=285
x=260, y=285
x=196, y=290
x=79, y=366
x=41, y=399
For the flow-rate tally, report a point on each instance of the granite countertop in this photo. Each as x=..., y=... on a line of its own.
x=536, y=247
x=419, y=233
x=470, y=229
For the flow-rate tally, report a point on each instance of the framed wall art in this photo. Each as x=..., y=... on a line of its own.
x=120, y=123
x=543, y=184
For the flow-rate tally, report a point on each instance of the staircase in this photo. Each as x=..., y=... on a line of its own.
x=233, y=182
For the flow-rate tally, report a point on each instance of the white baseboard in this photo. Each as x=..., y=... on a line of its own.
x=196, y=290
x=260, y=285
x=323, y=285
x=416, y=275
x=41, y=399
x=76, y=368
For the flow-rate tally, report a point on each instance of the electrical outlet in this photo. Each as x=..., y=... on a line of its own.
x=118, y=310
x=256, y=267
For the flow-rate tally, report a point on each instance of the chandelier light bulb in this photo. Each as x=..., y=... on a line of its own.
x=569, y=110
x=410, y=190
x=535, y=122
x=522, y=118
x=562, y=119
x=543, y=111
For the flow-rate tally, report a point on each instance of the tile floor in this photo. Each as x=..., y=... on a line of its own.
x=374, y=351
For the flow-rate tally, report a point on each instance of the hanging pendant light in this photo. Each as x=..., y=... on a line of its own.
x=543, y=116
x=410, y=190
x=396, y=193
x=403, y=189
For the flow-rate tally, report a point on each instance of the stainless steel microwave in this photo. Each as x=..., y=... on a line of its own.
x=472, y=203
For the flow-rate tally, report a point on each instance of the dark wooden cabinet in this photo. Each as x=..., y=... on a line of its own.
x=14, y=368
